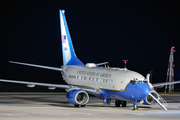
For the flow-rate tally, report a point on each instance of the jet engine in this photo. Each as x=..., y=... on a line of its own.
x=149, y=100
x=77, y=97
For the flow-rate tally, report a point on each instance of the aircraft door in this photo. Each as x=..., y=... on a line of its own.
x=122, y=83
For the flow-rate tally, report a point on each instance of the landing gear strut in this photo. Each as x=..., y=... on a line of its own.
x=135, y=107
x=107, y=102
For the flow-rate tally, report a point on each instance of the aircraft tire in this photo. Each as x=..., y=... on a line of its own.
x=83, y=105
x=77, y=105
x=124, y=104
x=118, y=103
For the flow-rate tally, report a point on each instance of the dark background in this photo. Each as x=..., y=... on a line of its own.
x=141, y=31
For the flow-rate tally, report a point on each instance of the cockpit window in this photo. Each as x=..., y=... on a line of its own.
x=137, y=82
x=133, y=82
x=145, y=81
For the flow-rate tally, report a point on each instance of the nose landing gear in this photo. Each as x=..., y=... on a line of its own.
x=135, y=107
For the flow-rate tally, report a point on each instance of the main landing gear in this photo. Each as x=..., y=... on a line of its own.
x=107, y=102
x=79, y=106
x=120, y=102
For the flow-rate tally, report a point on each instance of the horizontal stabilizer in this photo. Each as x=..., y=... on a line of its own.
x=104, y=63
x=39, y=66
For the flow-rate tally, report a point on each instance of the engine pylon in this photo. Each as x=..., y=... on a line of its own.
x=170, y=71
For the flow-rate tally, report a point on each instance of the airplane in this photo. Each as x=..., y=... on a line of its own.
x=119, y=84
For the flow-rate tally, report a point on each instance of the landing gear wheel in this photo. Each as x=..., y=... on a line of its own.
x=77, y=105
x=135, y=107
x=83, y=105
x=124, y=104
x=118, y=103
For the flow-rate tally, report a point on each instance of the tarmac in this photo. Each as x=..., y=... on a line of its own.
x=54, y=106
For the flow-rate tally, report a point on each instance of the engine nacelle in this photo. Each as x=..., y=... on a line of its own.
x=149, y=100
x=77, y=97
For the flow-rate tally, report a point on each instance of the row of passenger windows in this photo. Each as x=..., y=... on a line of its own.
x=92, y=79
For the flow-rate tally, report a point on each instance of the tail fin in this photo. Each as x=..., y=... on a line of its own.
x=69, y=56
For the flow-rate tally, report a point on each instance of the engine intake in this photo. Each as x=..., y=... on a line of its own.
x=149, y=100
x=77, y=97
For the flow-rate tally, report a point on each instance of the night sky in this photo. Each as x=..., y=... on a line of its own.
x=142, y=32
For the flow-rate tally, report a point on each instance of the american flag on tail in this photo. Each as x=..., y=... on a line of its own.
x=63, y=38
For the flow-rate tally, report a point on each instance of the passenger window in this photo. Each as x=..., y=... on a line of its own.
x=91, y=78
x=72, y=76
x=99, y=79
x=78, y=77
x=109, y=81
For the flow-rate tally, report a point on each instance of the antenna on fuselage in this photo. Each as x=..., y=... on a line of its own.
x=125, y=62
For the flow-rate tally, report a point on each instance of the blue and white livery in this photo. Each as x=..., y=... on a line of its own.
x=69, y=56
x=119, y=84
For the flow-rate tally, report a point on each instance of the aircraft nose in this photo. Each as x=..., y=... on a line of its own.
x=142, y=91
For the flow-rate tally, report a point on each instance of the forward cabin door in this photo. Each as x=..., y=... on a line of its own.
x=122, y=83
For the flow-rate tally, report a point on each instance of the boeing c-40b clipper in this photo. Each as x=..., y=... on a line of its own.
x=119, y=84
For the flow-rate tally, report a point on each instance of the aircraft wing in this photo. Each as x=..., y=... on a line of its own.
x=164, y=83
x=53, y=86
x=39, y=66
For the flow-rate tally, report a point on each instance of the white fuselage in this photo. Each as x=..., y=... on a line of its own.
x=100, y=77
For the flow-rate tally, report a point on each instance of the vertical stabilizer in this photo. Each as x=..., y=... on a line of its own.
x=69, y=56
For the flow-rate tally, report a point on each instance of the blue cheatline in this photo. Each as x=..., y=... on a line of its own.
x=132, y=92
